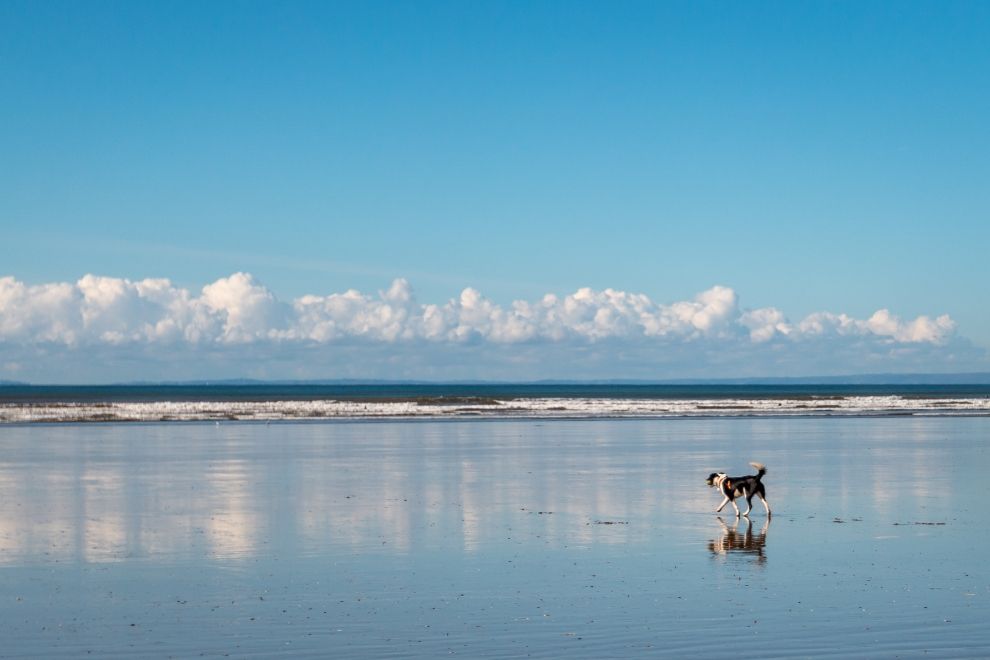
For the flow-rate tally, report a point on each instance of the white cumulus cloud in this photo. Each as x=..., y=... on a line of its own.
x=101, y=329
x=238, y=310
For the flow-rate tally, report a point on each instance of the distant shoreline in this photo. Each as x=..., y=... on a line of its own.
x=883, y=379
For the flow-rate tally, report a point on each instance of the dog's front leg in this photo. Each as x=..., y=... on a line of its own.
x=735, y=507
x=722, y=505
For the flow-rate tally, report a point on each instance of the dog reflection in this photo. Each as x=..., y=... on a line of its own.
x=733, y=541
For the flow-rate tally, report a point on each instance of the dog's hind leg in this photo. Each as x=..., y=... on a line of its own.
x=766, y=505
x=762, y=492
x=749, y=503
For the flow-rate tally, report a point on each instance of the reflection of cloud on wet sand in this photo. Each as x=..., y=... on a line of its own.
x=104, y=534
x=99, y=527
x=211, y=496
x=100, y=504
x=232, y=527
x=232, y=492
x=909, y=477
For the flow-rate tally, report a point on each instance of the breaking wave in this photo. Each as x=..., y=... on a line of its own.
x=486, y=407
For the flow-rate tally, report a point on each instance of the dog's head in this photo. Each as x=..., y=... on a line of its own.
x=712, y=477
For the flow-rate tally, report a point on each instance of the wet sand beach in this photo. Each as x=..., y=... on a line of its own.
x=494, y=538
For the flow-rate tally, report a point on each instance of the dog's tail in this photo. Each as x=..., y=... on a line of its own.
x=760, y=468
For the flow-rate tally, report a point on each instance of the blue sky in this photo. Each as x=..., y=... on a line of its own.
x=813, y=157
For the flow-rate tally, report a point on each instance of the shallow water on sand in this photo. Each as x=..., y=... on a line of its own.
x=594, y=538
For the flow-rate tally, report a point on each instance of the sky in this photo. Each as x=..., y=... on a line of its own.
x=492, y=190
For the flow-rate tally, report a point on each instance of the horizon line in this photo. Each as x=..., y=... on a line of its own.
x=892, y=378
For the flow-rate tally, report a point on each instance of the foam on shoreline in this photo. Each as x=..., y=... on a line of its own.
x=550, y=408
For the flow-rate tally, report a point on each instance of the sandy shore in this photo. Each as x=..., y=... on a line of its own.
x=592, y=538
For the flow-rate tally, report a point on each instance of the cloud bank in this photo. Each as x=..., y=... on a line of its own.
x=585, y=334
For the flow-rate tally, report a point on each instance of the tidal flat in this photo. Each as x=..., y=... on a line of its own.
x=494, y=538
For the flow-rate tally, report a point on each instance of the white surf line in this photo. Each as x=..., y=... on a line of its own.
x=542, y=408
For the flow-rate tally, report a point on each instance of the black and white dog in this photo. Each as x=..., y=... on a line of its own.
x=733, y=487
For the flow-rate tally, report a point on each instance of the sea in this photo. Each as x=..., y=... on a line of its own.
x=274, y=402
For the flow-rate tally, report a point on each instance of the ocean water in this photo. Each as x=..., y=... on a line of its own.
x=20, y=404
x=494, y=538
x=413, y=391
